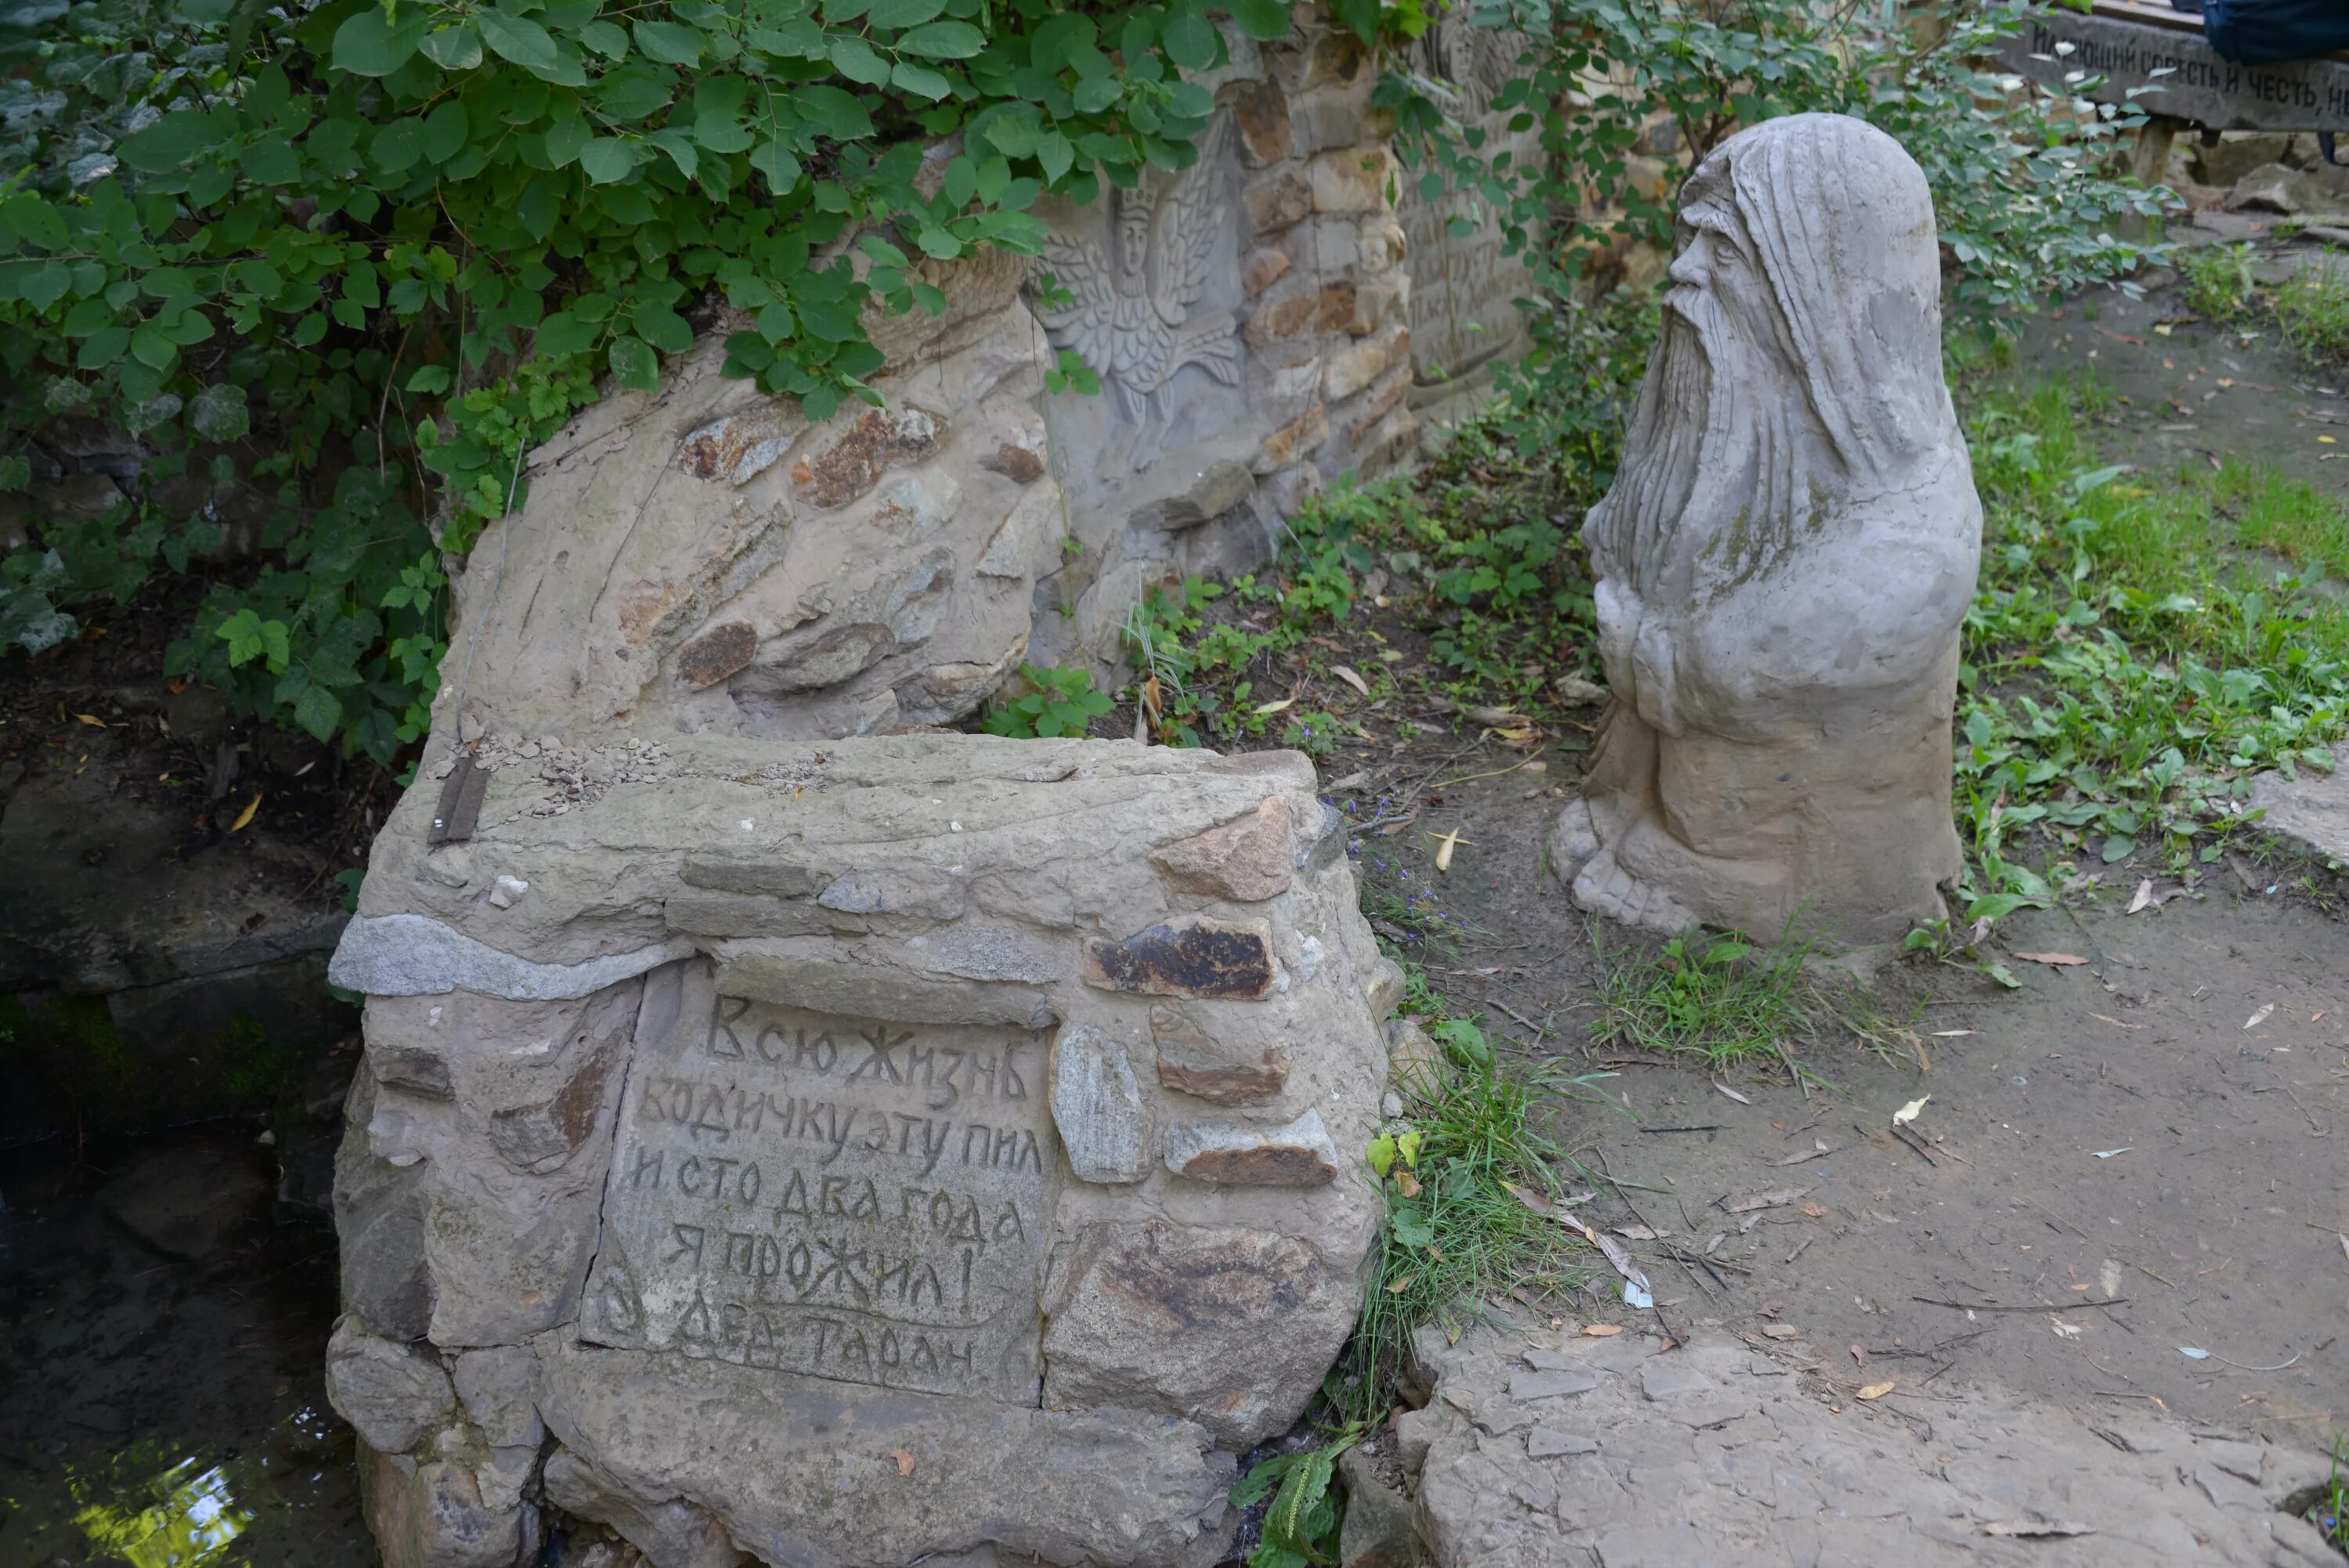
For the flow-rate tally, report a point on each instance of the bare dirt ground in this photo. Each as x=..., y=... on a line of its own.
x=2112, y=1164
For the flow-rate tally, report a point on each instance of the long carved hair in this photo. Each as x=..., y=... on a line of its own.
x=1749, y=430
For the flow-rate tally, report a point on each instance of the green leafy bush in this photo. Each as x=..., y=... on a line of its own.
x=1057, y=702
x=361, y=257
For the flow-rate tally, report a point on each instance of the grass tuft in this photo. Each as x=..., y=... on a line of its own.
x=1456, y=1232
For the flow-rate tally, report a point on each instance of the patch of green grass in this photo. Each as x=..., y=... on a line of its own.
x=2218, y=280
x=2128, y=666
x=1457, y=1233
x=2311, y=307
x=1709, y=996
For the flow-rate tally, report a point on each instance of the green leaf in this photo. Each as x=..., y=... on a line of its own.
x=397, y=146
x=853, y=57
x=901, y=12
x=567, y=138
x=519, y=39
x=172, y=142
x=457, y=48
x=944, y=41
x=919, y=80
x=370, y=45
x=834, y=112
x=782, y=171
x=1381, y=1154
x=1261, y=19
x=429, y=380
x=271, y=161
x=2119, y=847
x=663, y=328
x=29, y=217
x=670, y=43
x=609, y=39
x=679, y=148
x=318, y=710
x=635, y=365
x=1055, y=153
x=607, y=160
x=1190, y=40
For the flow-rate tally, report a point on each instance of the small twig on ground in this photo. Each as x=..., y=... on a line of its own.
x=1701, y=1127
x=1798, y=1250
x=2052, y=1307
x=1496, y=1001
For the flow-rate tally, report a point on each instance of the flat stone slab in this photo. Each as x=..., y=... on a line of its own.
x=1809, y=1475
x=2310, y=810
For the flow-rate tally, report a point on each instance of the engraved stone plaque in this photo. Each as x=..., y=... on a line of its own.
x=843, y=1197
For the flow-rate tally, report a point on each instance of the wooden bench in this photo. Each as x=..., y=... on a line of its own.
x=2142, y=43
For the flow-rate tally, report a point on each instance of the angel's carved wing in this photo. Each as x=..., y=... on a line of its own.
x=1185, y=230
x=1086, y=322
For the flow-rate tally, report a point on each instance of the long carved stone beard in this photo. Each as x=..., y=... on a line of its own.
x=1663, y=449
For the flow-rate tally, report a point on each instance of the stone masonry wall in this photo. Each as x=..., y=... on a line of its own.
x=707, y=560
x=849, y=1154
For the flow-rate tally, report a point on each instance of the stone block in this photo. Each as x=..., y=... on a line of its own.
x=1231, y=1327
x=1290, y=314
x=1358, y=364
x=1351, y=179
x=392, y=1395
x=1214, y=1068
x=1260, y=111
x=1299, y=1154
x=1219, y=487
x=1276, y=200
x=854, y=461
x=1377, y=304
x=1379, y=1529
x=497, y=1386
x=1300, y=438
x=1379, y=399
x=431, y=1515
x=716, y=653
x=1263, y=269
x=1097, y=1106
x=1193, y=955
x=1247, y=859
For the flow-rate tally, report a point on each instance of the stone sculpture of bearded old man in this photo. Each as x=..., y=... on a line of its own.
x=1784, y=562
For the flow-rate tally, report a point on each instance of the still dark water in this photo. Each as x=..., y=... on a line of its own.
x=162, y=1322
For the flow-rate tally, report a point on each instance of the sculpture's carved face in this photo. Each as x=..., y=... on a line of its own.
x=1130, y=226
x=1719, y=287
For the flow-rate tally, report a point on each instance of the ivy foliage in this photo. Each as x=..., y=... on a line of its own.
x=2027, y=206
x=355, y=258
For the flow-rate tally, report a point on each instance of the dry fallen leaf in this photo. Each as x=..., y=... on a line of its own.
x=1859, y=1354
x=246, y=816
x=1406, y=1183
x=1799, y=1155
x=1346, y=673
x=1812, y=1210
x=2143, y=899
x=1601, y=1330
x=1731, y=1093
x=1638, y=1234
x=1403, y=1285
x=1781, y=1331
x=1908, y=1113
x=1777, y=1198
x=2055, y=960
x=1275, y=706
x=1876, y=1390
x=1532, y=1200
x=92, y=720
x=905, y=1460
x=2256, y=1019
x=1444, y=844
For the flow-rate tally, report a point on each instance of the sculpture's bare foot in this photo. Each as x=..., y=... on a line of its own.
x=1604, y=887
x=1573, y=839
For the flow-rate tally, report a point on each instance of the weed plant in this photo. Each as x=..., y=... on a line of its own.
x=2129, y=663
x=1457, y=1231
x=1712, y=997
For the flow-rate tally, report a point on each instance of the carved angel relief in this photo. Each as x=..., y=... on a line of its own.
x=1130, y=318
